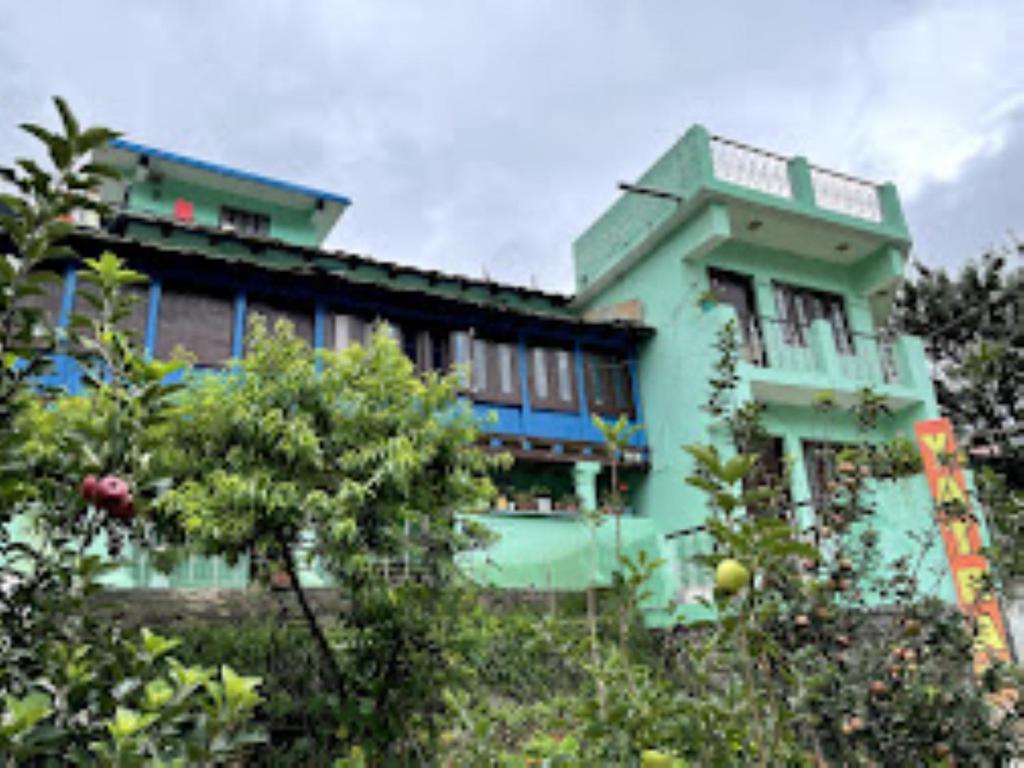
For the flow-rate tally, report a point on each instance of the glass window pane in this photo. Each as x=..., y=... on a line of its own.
x=565, y=387
x=479, y=365
x=597, y=388
x=619, y=386
x=505, y=363
x=540, y=374
x=460, y=344
x=348, y=330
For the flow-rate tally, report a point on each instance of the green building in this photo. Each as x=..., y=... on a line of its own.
x=804, y=260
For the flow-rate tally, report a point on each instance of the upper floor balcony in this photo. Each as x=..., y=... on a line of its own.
x=719, y=189
x=789, y=362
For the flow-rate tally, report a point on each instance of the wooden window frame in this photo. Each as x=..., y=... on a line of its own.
x=552, y=401
x=599, y=368
x=357, y=330
x=795, y=309
x=492, y=352
x=245, y=222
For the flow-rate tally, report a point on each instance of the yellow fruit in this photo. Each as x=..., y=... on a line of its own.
x=731, y=576
x=652, y=758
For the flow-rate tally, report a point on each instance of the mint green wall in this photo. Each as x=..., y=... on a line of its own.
x=288, y=224
x=636, y=221
x=675, y=365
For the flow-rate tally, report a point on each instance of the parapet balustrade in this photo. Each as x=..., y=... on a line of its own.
x=846, y=194
x=773, y=174
x=750, y=167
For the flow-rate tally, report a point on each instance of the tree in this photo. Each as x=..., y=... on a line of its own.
x=340, y=459
x=76, y=688
x=973, y=326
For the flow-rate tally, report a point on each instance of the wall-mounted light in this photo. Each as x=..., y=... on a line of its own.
x=843, y=247
x=755, y=225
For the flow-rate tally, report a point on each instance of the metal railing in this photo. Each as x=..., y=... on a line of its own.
x=750, y=167
x=845, y=194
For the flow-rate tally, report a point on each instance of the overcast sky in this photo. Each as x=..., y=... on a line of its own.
x=484, y=136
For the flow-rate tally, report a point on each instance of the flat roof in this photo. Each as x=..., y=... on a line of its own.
x=223, y=170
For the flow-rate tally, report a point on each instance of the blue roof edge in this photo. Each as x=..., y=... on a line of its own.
x=223, y=170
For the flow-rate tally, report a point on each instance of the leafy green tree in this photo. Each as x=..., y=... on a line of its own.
x=973, y=326
x=342, y=460
x=77, y=690
x=831, y=654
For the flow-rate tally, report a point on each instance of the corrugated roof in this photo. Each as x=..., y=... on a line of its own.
x=358, y=270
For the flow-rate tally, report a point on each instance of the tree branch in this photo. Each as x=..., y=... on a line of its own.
x=330, y=662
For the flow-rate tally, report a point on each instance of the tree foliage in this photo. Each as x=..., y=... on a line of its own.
x=342, y=460
x=973, y=326
x=76, y=688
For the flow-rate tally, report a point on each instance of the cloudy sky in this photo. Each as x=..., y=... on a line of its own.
x=482, y=137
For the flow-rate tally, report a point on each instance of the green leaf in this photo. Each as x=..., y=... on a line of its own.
x=67, y=118
x=127, y=722
x=156, y=646
x=706, y=456
x=21, y=715
x=737, y=467
x=240, y=692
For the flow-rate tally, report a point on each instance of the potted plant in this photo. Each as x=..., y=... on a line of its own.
x=708, y=300
x=524, y=501
x=568, y=502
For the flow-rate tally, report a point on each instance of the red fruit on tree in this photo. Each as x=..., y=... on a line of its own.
x=110, y=489
x=123, y=509
x=88, y=487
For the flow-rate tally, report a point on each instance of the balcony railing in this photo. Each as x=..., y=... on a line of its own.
x=750, y=167
x=771, y=343
x=864, y=359
x=846, y=194
x=873, y=360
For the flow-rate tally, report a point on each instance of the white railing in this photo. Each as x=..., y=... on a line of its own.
x=845, y=194
x=750, y=167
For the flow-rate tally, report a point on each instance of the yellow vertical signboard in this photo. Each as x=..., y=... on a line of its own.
x=961, y=536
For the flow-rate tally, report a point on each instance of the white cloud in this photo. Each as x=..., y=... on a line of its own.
x=474, y=134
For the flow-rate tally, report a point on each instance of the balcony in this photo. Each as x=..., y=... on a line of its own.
x=789, y=365
x=766, y=172
x=716, y=189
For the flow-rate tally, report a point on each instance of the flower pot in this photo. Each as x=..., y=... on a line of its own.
x=280, y=580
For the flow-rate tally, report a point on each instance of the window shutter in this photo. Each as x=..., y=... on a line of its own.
x=301, y=317
x=202, y=323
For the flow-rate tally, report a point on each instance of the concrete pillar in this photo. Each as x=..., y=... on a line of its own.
x=585, y=476
x=800, y=182
x=892, y=211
